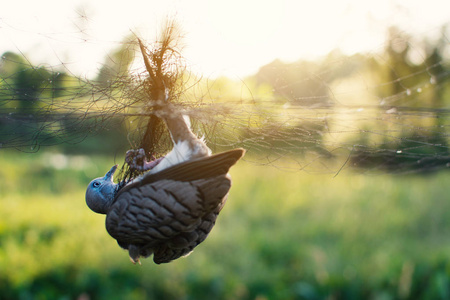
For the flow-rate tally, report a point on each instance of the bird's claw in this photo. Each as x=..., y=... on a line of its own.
x=134, y=253
x=135, y=261
x=136, y=160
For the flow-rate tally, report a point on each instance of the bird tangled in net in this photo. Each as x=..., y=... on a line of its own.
x=163, y=205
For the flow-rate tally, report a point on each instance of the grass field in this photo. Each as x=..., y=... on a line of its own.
x=282, y=235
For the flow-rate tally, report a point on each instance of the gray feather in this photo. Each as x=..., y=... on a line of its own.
x=168, y=218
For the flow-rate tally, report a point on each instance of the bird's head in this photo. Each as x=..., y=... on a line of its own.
x=101, y=191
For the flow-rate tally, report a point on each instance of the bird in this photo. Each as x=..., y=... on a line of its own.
x=173, y=206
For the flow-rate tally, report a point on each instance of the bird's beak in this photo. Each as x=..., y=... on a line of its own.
x=109, y=175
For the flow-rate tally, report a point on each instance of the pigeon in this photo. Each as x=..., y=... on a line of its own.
x=173, y=206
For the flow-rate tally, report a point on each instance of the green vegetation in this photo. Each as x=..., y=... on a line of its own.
x=281, y=235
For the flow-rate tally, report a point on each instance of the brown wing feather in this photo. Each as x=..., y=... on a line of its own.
x=184, y=243
x=160, y=211
x=170, y=212
x=200, y=168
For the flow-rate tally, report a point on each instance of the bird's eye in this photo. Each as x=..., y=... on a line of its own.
x=96, y=184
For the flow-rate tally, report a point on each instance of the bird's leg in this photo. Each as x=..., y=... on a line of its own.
x=148, y=165
x=178, y=126
x=136, y=160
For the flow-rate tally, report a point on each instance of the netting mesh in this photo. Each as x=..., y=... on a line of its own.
x=384, y=110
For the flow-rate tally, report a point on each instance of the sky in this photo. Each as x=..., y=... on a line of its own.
x=232, y=38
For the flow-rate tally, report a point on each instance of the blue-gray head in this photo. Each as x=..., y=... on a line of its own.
x=101, y=191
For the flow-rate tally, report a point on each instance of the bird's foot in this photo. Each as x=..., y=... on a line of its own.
x=137, y=161
x=135, y=261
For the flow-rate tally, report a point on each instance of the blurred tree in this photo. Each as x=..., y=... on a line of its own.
x=300, y=83
x=409, y=87
x=26, y=87
x=437, y=70
x=117, y=63
x=30, y=102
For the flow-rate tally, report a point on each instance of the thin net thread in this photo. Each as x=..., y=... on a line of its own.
x=375, y=111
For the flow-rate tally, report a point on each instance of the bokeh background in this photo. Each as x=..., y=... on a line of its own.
x=342, y=106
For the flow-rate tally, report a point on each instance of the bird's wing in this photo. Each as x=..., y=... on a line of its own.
x=184, y=243
x=200, y=168
x=161, y=210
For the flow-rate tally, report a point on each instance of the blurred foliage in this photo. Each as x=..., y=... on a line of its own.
x=40, y=106
x=388, y=108
x=281, y=236
x=117, y=63
x=407, y=87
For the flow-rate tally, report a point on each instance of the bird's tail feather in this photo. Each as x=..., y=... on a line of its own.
x=201, y=168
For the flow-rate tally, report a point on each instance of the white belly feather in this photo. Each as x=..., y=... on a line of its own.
x=182, y=152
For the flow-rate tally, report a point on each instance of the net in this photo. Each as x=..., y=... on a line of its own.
x=385, y=110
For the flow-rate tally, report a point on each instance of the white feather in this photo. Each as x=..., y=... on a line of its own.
x=180, y=153
x=183, y=151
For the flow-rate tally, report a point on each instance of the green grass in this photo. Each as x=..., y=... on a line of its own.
x=281, y=235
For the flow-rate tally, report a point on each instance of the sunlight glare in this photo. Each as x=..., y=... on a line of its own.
x=233, y=38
